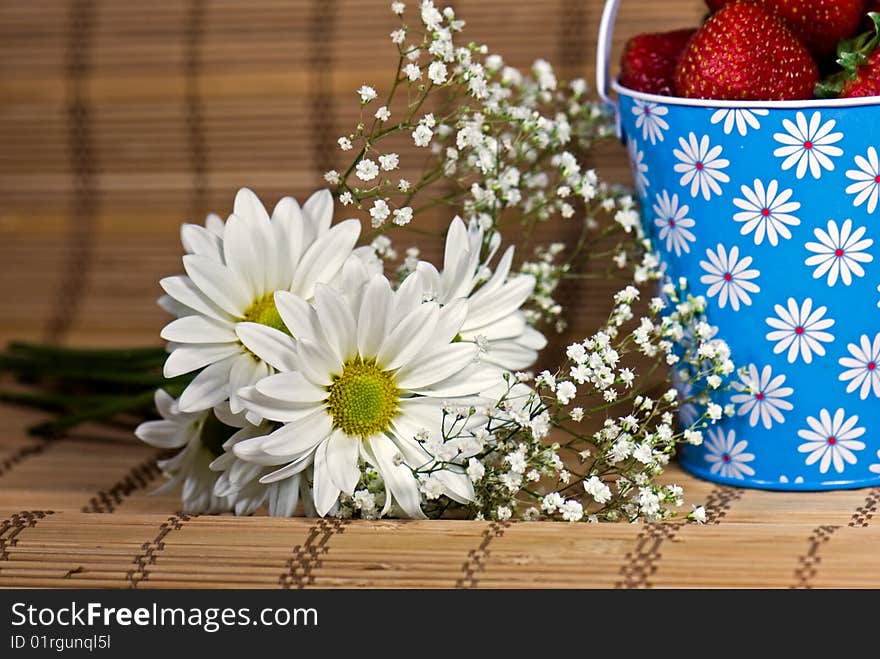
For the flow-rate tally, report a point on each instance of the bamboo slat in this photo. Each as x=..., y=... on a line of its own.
x=120, y=120
x=106, y=530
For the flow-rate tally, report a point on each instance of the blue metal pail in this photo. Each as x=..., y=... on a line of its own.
x=771, y=210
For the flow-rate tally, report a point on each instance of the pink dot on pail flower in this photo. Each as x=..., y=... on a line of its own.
x=647, y=111
x=799, y=330
x=699, y=166
x=832, y=441
x=877, y=178
x=726, y=457
x=872, y=366
x=808, y=145
x=759, y=396
x=671, y=222
x=765, y=212
x=838, y=252
x=728, y=276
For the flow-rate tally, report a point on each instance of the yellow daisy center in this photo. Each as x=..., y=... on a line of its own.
x=364, y=399
x=264, y=312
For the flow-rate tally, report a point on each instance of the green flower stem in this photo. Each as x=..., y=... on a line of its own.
x=43, y=368
x=49, y=401
x=113, y=354
x=139, y=402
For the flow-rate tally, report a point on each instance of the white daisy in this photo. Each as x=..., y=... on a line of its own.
x=729, y=277
x=800, y=330
x=875, y=468
x=495, y=321
x=239, y=481
x=761, y=396
x=831, y=441
x=863, y=368
x=199, y=436
x=700, y=166
x=727, y=456
x=766, y=212
x=839, y=252
x=742, y=119
x=867, y=180
x=808, y=145
x=674, y=223
x=231, y=279
x=639, y=168
x=649, y=117
x=372, y=377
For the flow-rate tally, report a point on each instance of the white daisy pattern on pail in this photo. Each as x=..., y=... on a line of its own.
x=772, y=214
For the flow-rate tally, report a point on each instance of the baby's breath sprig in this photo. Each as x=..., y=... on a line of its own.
x=502, y=147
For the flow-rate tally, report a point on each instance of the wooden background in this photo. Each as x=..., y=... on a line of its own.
x=118, y=121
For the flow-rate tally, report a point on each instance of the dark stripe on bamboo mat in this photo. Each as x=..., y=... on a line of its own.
x=573, y=25
x=321, y=61
x=150, y=550
x=137, y=478
x=477, y=558
x=195, y=120
x=12, y=527
x=300, y=567
x=84, y=202
x=643, y=561
x=808, y=563
x=22, y=454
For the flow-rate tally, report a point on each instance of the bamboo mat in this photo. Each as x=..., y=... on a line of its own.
x=120, y=120
x=78, y=512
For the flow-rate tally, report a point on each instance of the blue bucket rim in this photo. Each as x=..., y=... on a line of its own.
x=864, y=101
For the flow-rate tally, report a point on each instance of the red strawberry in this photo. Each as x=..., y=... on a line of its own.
x=649, y=60
x=867, y=80
x=820, y=24
x=859, y=60
x=746, y=53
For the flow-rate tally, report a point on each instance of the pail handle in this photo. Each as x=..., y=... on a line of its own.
x=603, y=59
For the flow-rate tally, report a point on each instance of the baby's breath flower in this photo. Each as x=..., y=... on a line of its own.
x=383, y=113
x=379, y=212
x=412, y=72
x=565, y=392
x=572, y=511
x=552, y=502
x=367, y=170
x=332, y=177
x=475, y=470
x=403, y=216
x=389, y=161
x=398, y=8
x=698, y=515
x=367, y=94
x=437, y=73
x=422, y=135
x=344, y=143
x=597, y=489
x=398, y=36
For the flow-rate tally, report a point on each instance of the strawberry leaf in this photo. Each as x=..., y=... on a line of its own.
x=851, y=54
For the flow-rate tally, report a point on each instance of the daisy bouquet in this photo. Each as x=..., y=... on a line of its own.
x=311, y=370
